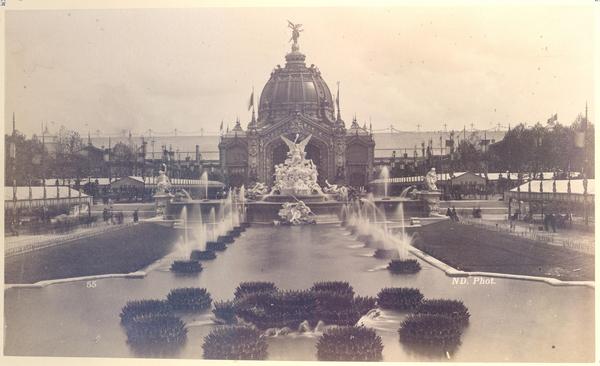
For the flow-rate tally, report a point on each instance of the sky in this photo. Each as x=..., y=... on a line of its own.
x=111, y=71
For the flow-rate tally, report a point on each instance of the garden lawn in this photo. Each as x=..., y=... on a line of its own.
x=470, y=248
x=122, y=251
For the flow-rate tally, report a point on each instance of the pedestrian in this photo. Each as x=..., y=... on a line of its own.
x=105, y=215
x=454, y=214
x=553, y=222
x=546, y=222
x=135, y=215
x=449, y=213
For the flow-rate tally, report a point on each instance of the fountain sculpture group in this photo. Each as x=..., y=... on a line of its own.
x=295, y=197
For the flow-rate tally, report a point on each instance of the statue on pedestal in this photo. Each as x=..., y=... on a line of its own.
x=163, y=184
x=162, y=193
x=430, y=196
x=431, y=180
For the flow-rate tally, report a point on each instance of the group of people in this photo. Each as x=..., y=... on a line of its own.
x=452, y=214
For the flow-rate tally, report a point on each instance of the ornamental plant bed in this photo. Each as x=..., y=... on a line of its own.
x=334, y=304
x=186, y=266
x=245, y=288
x=454, y=309
x=139, y=308
x=202, y=255
x=189, y=299
x=404, y=266
x=224, y=311
x=277, y=309
x=227, y=239
x=236, y=231
x=399, y=298
x=339, y=287
x=216, y=246
x=156, y=329
x=234, y=343
x=429, y=329
x=349, y=344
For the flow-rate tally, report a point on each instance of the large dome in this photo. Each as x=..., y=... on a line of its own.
x=295, y=89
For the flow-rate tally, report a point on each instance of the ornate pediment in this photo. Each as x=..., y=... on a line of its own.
x=298, y=124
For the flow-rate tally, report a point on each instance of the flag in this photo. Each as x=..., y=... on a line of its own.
x=553, y=118
x=251, y=102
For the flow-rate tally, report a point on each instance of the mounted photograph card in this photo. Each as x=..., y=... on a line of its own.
x=395, y=181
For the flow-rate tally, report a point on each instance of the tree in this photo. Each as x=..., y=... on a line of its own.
x=29, y=156
x=468, y=157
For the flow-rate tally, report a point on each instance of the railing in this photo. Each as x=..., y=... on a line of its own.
x=45, y=242
x=531, y=234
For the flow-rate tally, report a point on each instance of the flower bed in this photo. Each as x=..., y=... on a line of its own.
x=245, y=288
x=156, y=329
x=266, y=308
x=225, y=312
x=216, y=246
x=429, y=329
x=363, y=304
x=236, y=231
x=202, y=255
x=189, y=299
x=186, y=266
x=404, y=266
x=227, y=239
x=234, y=343
x=277, y=309
x=454, y=309
x=139, y=308
x=333, y=286
x=349, y=344
x=399, y=298
x=335, y=307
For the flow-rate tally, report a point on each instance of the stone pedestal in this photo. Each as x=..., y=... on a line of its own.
x=430, y=200
x=161, y=200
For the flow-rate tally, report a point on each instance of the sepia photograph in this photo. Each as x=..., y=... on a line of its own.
x=395, y=181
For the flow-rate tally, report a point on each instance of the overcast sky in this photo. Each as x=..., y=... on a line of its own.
x=188, y=69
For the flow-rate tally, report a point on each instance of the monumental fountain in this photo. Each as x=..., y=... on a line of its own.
x=295, y=197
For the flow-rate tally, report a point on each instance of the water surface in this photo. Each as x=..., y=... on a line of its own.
x=511, y=320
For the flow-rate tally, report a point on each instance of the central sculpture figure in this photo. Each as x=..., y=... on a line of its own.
x=296, y=175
